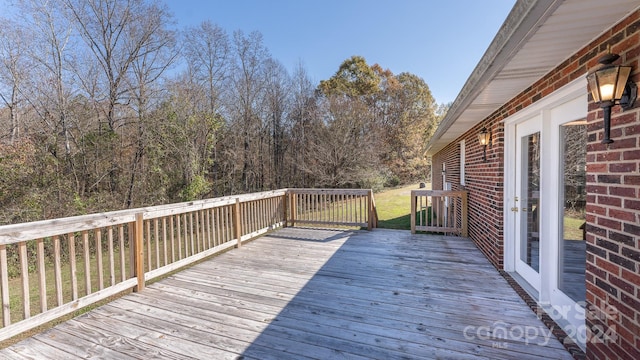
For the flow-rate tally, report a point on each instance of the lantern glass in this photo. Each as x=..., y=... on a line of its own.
x=593, y=85
x=623, y=76
x=483, y=138
x=607, y=84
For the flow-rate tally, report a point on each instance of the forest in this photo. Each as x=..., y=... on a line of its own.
x=107, y=105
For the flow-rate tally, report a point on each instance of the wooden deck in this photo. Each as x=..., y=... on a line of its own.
x=302, y=293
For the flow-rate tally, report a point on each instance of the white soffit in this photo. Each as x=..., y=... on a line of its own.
x=537, y=36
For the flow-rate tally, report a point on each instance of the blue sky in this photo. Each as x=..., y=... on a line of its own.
x=440, y=41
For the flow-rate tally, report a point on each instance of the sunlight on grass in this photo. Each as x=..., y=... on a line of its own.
x=572, y=229
x=394, y=207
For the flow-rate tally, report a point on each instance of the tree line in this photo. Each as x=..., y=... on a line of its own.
x=105, y=105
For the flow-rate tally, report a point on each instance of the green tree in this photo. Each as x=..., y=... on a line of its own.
x=354, y=78
x=412, y=127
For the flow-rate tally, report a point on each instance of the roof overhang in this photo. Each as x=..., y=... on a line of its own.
x=536, y=37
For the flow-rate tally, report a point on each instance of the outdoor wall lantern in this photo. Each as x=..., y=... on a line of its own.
x=484, y=138
x=610, y=85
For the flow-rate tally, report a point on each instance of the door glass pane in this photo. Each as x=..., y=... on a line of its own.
x=572, y=247
x=529, y=212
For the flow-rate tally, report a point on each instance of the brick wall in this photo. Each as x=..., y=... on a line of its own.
x=483, y=181
x=613, y=211
x=613, y=192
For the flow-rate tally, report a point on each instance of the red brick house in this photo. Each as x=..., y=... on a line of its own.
x=550, y=203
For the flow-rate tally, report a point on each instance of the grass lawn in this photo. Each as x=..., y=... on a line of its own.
x=394, y=207
x=572, y=229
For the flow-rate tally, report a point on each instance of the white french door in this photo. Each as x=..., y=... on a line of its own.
x=526, y=203
x=545, y=181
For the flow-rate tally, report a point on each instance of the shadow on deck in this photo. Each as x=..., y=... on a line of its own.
x=305, y=293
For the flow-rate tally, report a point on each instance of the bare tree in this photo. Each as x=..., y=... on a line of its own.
x=248, y=87
x=156, y=56
x=118, y=33
x=14, y=70
x=277, y=108
x=303, y=117
x=51, y=53
x=206, y=51
x=341, y=154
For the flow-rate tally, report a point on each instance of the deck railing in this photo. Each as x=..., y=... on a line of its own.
x=439, y=211
x=51, y=268
x=333, y=207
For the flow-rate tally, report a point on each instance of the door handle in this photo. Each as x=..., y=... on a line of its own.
x=514, y=209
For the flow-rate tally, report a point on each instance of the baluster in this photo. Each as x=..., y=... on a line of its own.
x=204, y=226
x=24, y=275
x=216, y=226
x=208, y=224
x=264, y=206
x=4, y=277
x=112, y=265
x=185, y=224
x=196, y=227
x=225, y=223
x=57, y=270
x=224, y=216
x=164, y=240
x=148, y=236
x=191, y=237
x=72, y=268
x=42, y=276
x=179, y=232
x=98, y=240
x=131, y=233
x=256, y=216
x=123, y=275
x=173, y=238
x=87, y=262
x=156, y=239
x=314, y=200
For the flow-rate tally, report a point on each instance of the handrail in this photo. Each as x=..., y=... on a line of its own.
x=73, y=262
x=439, y=211
x=20, y=232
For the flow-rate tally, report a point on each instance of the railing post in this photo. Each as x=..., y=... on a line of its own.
x=237, y=223
x=285, y=200
x=139, y=252
x=413, y=212
x=293, y=197
x=370, y=210
x=465, y=231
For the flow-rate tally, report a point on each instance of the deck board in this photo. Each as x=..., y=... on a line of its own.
x=320, y=294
